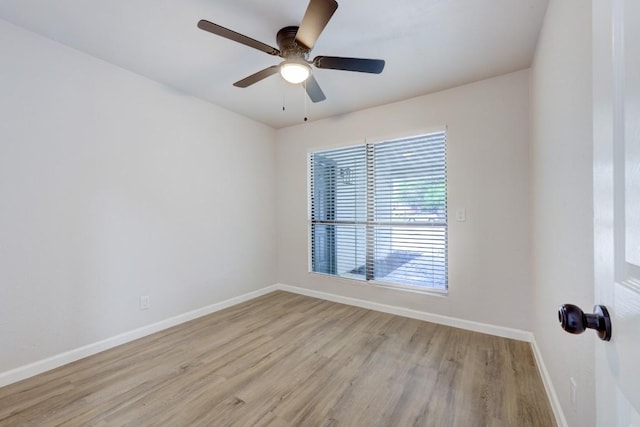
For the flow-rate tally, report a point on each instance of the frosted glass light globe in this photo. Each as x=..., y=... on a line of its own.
x=294, y=72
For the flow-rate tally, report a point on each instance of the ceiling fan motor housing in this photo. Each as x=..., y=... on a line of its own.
x=289, y=47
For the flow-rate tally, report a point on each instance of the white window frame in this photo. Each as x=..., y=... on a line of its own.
x=371, y=223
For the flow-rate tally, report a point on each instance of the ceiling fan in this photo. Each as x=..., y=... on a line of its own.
x=294, y=44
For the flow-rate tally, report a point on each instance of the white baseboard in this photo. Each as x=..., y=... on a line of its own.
x=469, y=325
x=23, y=372
x=548, y=385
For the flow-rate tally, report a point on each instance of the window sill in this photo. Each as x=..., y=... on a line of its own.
x=436, y=292
x=408, y=288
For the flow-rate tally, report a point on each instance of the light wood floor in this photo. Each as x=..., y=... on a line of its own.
x=290, y=360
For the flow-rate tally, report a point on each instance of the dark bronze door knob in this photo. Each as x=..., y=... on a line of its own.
x=575, y=321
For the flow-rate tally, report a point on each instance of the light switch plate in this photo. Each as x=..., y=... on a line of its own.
x=461, y=215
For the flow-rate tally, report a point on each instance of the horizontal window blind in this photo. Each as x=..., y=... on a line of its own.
x=379, y=211
x=338, y=210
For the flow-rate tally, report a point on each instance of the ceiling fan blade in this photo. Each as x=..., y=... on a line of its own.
x=374, y=66
x=256, y=77
x=313, y=90
x=236, y=37
x=317, y=16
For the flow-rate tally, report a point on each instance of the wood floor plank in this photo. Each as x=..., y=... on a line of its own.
x=289, y=360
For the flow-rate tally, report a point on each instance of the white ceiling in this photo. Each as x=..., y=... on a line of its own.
x=428, y=45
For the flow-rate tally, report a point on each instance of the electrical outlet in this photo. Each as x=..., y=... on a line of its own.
x=145, y=302
x=573, y=389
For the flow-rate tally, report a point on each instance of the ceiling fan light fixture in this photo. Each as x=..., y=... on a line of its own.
x=295, y=71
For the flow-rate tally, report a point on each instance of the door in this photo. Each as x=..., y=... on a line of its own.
x=616, y=111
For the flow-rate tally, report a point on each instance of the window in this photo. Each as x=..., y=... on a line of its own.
x=378, y=212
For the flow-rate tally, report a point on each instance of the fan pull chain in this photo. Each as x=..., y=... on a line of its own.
x=304, y=93
x=283, y=93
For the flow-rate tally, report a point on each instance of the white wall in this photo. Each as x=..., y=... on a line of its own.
x=487, y=146
x=562, y=198
x=113, y=187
